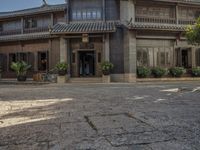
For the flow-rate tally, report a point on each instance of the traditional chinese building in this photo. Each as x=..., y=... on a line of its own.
x=84, y=33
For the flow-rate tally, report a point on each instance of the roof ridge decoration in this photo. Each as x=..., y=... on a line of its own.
x=45, y=2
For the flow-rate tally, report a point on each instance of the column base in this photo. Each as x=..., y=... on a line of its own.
x=130, y=77
x=106, y=79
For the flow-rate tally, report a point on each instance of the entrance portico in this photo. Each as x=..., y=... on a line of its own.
x=84, y=56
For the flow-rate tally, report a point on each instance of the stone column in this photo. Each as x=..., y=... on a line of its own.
x=36, y=61
x=177, y=15
x=22, y=25
x=130, y=56
x=63, y=50
x=193, y=51
x=104, y=9
x=107, y=47
x=127, y=10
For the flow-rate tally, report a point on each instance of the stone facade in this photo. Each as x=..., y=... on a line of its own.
x=136, y=33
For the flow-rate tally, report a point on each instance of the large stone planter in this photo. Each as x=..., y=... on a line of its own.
x=106, y=78
x=62, y=79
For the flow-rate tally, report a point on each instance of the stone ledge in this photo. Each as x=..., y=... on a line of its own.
x=167, y=79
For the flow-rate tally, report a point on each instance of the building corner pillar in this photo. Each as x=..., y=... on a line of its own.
x=130, y=67
x=63, y=50
x=193, y=50
x=107, y=47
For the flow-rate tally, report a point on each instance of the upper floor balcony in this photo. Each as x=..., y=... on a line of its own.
x=173, y=14
x=33, y=20
x=155, y=20
x=24, y=31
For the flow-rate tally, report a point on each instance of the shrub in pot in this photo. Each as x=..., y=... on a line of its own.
x=143, y=72
x=177, y=71
x=21, y=69
x=106, y=67
x=159, y=72
x=196, y=72
x=61, y=68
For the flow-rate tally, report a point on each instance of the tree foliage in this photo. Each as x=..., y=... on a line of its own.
x=193, y=33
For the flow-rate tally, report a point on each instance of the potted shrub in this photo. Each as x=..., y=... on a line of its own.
x=143, y=72
x=196, y=72
x=21, y=69
x=177, y=71
x=106, y=68
x=159, y=72
x=61, y=69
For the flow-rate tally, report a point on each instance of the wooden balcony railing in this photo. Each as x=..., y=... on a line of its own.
x=155, y=20
x=164, y=21
x=186, y=22
x=25, y=31
x=10, y=32
x=39, y=29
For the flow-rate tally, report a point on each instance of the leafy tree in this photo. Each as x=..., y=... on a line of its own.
x=193, y=33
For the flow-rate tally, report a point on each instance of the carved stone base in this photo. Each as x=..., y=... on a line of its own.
x=62, y=79
x=130, y=77
x=106, y=78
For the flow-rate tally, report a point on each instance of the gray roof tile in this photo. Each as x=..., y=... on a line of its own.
x=153, y=26
x=84, y=27
x=36, y=10
x=23, y=37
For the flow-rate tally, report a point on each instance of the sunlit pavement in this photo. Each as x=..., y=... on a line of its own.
x=100, y=116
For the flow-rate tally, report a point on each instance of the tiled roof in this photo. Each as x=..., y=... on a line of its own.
x=23, y=37
x=153, y=26
x=37, y=10
x=84, y=27
x=181, y=1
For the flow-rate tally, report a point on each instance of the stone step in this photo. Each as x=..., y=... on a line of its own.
x=86, y=80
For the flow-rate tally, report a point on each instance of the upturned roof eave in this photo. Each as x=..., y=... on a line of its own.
x=33, y=11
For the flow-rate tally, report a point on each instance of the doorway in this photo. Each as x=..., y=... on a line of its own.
x=86, y=63
x=184, y=57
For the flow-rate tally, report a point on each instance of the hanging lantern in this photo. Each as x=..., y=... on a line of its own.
x=85, y=38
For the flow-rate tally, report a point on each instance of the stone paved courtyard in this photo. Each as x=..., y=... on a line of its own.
x=100, y=117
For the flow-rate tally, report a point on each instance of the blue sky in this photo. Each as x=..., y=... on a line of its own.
x=9, y=5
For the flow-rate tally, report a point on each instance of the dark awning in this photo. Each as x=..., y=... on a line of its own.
x=84, y=27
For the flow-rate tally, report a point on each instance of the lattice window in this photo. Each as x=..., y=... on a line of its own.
x=87, y=14
x=155, y=11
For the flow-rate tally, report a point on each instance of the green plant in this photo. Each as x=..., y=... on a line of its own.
x=61, y=68
x=193, y=33
x=20, y=68
x=177, y=71
x=159, y=72
x=106, y=67
x=143, y=72
x=196, y=72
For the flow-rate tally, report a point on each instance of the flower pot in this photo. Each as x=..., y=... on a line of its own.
x=21, y=78
x=106, y=72
x=62, y=72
